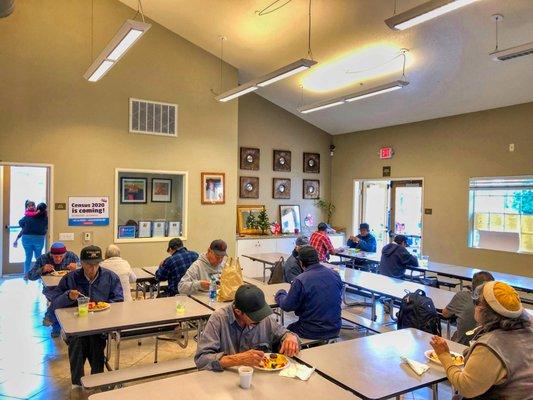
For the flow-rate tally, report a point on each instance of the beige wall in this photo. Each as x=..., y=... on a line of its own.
x=50, y=114
x=267, y=127
x=445, y=152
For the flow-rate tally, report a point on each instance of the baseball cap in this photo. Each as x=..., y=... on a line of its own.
x=174, y=243
x=364, y=225
x=399, y=239
x=308, y=255
x=322, y=226
x=302, y=240
x=251, y=301
x=219, y=247
x=91, y=255
x=58, y=248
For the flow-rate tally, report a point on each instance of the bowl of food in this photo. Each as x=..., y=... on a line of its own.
x=273, y=362
x=458, y=359
x=98, y=305
x=59, y=273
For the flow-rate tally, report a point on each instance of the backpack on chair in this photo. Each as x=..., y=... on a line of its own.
x=418, y=311
x=276, y=274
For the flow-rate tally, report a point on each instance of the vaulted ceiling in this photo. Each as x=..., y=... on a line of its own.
x=448, y=66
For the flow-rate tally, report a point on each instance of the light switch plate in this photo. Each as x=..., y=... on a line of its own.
x=66, y=236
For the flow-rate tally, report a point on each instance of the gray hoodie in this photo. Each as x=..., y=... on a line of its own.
x=200, y=270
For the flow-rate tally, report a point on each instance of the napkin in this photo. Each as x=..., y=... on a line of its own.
x=297, y=371
x=416, y=366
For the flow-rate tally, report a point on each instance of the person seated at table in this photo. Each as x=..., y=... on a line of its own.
x=173, y=268
x=207, y=266
x=99, y=284
x=395, y=258
x=57, y=259
x=322, y=243
x=291, y=266
x=241, y=333
x=315, y=296
x=499, y=361
x=121, y=267
x=365, y=241
x=462, y=307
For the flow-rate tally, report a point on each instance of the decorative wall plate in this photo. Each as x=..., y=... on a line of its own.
x=282, y=160
x=311, y=189
x=281, y=188
x=250, y=158
x=312, y=163
x=249, y=187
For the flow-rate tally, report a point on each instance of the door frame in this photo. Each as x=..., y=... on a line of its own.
x=357, y=206
x=50, y=208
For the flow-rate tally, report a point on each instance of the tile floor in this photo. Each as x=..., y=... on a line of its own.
x=35, y=366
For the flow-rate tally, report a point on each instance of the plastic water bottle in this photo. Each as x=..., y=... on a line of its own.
x=213, y=290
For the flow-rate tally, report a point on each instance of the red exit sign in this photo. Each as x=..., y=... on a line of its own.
x=386, y=152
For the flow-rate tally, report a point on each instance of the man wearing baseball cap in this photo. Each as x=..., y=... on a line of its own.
x=499, y=361
x=395, y=258
x=173, y=268
x=99, y=284
x=240, y=333
x=322, y=243
x=315, y=297
x=208, y=266
x=57, y=259
x=291, y=266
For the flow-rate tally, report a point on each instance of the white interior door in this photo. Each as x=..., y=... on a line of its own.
x=376, y=200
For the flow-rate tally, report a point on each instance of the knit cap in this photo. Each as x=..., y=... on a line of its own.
x=503, y=299
x=58, y=248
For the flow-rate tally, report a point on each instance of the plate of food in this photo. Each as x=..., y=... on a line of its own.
x=457, y=358
x=98, y=306
x=273, y=362
x=59, y=273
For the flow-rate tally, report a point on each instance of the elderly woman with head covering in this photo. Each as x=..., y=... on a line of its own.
x=115, y=263
x=499, y=361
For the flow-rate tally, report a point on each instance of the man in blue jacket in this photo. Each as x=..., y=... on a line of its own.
x=315, y=296
x=395, y=258
x=365, y=241
x=99, y=284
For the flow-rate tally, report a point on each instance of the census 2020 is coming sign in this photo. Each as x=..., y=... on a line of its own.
x=88, y=211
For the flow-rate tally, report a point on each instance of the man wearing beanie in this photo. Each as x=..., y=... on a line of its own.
x=57, y=259
x=291, y=266
x=315, y=297
x=499, y=362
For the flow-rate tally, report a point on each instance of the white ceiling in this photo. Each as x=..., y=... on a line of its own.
x=449, y=69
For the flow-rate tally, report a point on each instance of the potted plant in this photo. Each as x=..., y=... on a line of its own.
x=327, y=207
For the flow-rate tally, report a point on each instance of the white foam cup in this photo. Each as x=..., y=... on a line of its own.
x=245, y=377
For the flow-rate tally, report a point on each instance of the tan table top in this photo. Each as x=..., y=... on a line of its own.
x=151, y=270
x=392, y=287
x=50, y=281
x=210, y=385
x=130, y=315
x=371, y=366
x=363, y=255
x=267, y=258
x=142, y=275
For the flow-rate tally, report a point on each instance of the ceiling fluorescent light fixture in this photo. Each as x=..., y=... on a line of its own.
x=424, y=12
x=388, y=87
x=265, y=80
x=128, y=34
x=514, y=52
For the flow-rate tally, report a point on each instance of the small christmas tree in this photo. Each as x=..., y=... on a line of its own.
x=262, y=221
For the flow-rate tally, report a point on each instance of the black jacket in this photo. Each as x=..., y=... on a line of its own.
x=394, y=259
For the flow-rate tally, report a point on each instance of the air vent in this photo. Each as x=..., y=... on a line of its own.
x=153, y=118
x=514, y=52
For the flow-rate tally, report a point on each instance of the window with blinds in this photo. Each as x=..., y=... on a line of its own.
x=501, y=213
x=153, y=118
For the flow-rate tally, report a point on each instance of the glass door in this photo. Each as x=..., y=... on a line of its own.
x=406, y=212
x=376, y=199
x=19, y=183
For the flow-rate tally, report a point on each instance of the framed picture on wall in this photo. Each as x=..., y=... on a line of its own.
x=213, y=188
x=250, y=158
x=133, y=190
x=290, y=219
x=281, y=188
x=311, y=189
x=161, y=190
x=249, y=187
x=281, y=160
x=312, y=163
x=243, y=214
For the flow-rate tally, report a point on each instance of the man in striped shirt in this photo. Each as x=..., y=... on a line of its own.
x=322, y=243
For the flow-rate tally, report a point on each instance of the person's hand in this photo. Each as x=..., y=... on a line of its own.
x=250, y=358
x=439, y=345
x=48, y=268
x=72, y=266
x=339, y=250
x=15, y=244
x=290, y=346
x=73, y=294
x=205, y=285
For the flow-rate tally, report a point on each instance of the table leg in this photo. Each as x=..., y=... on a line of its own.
x=108, y=351
x=264, y=272
x=448, y=329
x=435, y=391
x=460, y=284
x=373, y=299
x=117, y=353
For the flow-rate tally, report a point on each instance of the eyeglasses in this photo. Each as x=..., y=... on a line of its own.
x=476, y=302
